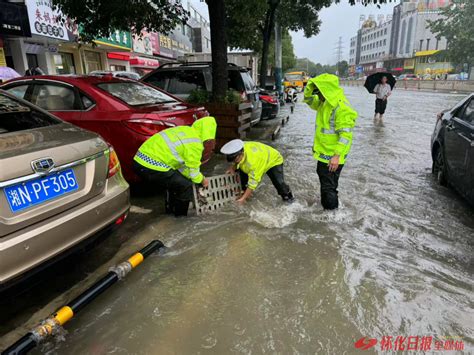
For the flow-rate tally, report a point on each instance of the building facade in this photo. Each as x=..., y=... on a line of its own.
x=33, y=35
x=403, y=44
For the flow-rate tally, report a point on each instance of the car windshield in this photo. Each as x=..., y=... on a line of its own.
x=294, y=77
x=15, y=116
x=136, y=94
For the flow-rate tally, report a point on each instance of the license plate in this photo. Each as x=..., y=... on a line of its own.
x=40, y=190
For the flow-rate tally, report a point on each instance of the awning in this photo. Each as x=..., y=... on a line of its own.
x=425, y=53
x=143, y=62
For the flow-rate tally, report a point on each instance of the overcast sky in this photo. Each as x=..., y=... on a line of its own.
x=338, y=20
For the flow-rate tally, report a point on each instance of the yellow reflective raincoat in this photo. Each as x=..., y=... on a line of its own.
x=335, y=118
x=178, y=148
x=258, y=159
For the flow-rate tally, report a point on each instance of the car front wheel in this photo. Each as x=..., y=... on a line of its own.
x=439, y=168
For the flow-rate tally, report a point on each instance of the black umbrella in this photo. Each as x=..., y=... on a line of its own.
x=376, y=78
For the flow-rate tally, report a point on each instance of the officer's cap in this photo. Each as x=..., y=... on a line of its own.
x=232, y=149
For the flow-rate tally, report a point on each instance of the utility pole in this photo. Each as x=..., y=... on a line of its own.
x=338, y=52
x=278, y=60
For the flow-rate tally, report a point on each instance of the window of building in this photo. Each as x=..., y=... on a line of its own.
x=93, y=61
x=384, y=42
x=428, y=44
x=64, y=63
x=421, y=44
x=437, y=44
x=385, y=32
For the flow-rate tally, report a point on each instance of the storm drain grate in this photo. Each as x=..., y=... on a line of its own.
x=222, y=189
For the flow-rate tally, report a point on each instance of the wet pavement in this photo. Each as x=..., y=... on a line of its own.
x=395, y=259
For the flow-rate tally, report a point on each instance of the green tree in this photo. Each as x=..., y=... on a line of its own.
x=288, y=54
x=454, y=26
x=98, y=18
x=342, y=68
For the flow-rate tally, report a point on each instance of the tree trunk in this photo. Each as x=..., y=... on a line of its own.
x=267, y=36
x=217, y=15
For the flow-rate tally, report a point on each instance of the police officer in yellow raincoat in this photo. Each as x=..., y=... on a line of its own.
x=171, y=160
x=335, y=121
x=252, y=160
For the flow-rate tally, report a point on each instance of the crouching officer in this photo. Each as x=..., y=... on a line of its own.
x=252, y=160
x=172, y=158
x=333, y=132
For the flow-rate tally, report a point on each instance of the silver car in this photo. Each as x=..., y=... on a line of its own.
x=59, y=185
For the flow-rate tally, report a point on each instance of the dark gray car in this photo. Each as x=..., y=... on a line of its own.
x=180, y=79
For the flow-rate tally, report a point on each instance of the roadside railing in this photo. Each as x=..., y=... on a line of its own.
x=453, y=86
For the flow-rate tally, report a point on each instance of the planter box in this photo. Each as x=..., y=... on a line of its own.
x=232, y=121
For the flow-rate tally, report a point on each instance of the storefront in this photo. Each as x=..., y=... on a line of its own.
x=145, y=48
x=409, y=65
x=13, y=26
x=111, y=53
x=434, y=63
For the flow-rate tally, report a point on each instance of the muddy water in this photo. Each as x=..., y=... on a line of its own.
x=395, y=259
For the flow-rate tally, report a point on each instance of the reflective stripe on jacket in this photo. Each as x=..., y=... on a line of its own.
x=335, y=118
x=178, y=148
x=258, y=159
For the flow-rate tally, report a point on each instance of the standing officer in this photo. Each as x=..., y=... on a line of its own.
x=171, y=160
x=252, y=160
x=335, y=120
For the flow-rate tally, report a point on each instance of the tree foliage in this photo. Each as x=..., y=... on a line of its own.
x=454, y=26
x=100, y=17
x=314, y=69
x=288, y=54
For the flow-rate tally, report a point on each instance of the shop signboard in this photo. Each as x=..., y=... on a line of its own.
x=143, y=43
x=14, y=20
x=155, y=42
x=144, y=62
x=117, y=39
x=3, y=61
x=409, y=64
x=48, y=22
x=166, y=48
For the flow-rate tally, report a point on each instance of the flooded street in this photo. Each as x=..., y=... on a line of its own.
x=395, y=259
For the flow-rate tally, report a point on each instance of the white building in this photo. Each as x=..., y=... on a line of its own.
x=374, y=44
x=353, y=51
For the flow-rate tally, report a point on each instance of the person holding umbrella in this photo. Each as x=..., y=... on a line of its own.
x=382, y=91
x=380, y=84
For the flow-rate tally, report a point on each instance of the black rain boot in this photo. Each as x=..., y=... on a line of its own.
x=181, y=208
x=169, y=203
x=288, y=197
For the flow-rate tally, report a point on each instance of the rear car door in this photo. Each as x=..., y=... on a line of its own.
x=60, y=99
x=459, y=147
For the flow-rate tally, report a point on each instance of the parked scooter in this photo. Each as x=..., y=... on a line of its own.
x=291, y=95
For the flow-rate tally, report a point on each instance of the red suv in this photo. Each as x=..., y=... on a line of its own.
x=124, y=112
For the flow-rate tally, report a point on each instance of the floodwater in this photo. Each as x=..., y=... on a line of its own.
x=395, y=259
